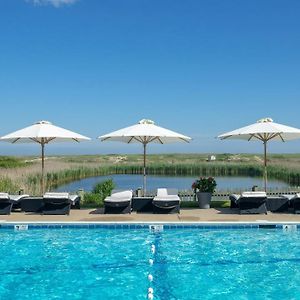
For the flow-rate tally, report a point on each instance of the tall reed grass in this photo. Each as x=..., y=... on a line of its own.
x=54, y=179
x=8, y=186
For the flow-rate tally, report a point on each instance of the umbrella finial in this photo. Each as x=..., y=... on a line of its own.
x=146, y=121
x=43, y=122
x=265, y=120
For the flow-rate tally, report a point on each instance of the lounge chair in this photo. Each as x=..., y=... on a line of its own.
x=233, y=200
x=166, y=201
x=294, y=201
x=10, y=202
x=5, y=204
x=57, y=204
x=118, y=202
x=278, y=204
x=250, y=202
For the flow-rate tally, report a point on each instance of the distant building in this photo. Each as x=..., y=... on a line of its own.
x=211, y=158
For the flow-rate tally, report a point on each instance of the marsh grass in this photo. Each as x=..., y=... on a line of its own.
x=7, y=162
x=16, y=173
x=8, y=186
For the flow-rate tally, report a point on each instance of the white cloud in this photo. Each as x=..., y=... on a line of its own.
x=55, y=3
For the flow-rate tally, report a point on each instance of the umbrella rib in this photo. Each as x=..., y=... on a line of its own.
x=261, y=137
x=151, y=139
x=272, y=136
x=105, y=139
x=251, y=136
x=226, y=137
x=139, y=139
x=130, y=140
x=51, y=139
x=160, y=140
x=35, y=140
x=14, y=141
x=258, y=136
x=147, y=139
x=183, y=139
x=281, y=137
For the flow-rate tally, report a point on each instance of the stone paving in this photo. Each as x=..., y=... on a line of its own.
x=186, y=215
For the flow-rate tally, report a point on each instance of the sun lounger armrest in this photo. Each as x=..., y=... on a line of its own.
x=234, y=197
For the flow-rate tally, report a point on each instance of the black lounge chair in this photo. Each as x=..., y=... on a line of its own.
x=119, y=202
x=166, y=201
x=17, y=200
x=9, y=202
x=278, y=204
x=56, y=204
x=233, y=200
x=250, y=202
x=5, y=204
x=294, y=202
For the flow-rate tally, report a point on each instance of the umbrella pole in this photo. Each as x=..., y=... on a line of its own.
x=43, y=168
x=265, y=166
x=144, y=171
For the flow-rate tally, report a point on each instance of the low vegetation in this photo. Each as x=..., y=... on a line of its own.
x=96, y=197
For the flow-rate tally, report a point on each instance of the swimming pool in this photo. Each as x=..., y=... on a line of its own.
x=115, y=263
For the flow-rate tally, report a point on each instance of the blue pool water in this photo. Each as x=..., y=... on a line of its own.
x=180, y=182
x=114, y=264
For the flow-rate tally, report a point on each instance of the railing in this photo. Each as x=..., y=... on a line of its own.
x=188, y=195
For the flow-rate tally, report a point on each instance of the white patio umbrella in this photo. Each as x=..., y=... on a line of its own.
x=145, y=132
x=263, y=130
x=43, y=132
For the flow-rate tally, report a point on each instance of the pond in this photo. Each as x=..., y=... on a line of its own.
x=182, y=183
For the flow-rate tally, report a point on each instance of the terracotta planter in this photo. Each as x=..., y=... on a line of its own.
x=204, y=199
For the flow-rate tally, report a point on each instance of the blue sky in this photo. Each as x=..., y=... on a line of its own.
x=197, y=67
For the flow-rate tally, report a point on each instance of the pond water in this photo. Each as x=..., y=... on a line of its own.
x=182, y=183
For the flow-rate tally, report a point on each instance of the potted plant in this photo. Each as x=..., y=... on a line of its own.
x=203, y=188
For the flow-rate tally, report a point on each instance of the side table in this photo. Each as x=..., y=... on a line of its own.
x=142, y=204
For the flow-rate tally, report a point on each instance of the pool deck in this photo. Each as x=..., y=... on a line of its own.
x=186, y=215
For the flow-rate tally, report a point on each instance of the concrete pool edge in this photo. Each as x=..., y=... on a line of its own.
x=146, y=225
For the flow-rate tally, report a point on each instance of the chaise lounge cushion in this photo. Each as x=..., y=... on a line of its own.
x=4, y=196
x=118, y=202
x=254, y=194
x=119, y=196
x=164, y=194
x=71, y=198
x=51, y=195
x=17, y=198
x=166, y=201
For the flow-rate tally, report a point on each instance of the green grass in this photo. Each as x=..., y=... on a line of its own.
x=8, y=162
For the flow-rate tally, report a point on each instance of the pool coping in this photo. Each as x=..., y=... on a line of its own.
x=259, y=224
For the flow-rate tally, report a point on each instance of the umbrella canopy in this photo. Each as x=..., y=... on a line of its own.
x=263, y=130
x=145, y=132
x=43, y=132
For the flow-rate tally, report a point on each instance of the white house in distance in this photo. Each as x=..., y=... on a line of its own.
x=211, y=158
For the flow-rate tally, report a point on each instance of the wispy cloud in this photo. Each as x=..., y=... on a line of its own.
x=55, y=3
